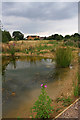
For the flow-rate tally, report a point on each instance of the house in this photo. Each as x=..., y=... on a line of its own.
x=33, y=37
x=41, y=38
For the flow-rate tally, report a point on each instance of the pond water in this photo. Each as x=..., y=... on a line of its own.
x=22, y=78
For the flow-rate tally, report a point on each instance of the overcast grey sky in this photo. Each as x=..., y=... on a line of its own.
x=41, y=18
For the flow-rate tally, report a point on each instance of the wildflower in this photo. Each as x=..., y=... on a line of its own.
x=9, y=45
x=41, y=85
x=13, y=44
x=45, y=86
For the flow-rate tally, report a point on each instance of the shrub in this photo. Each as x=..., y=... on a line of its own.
x=71, y=43
x=36, y=39
x=63, y=56
x=42, y=106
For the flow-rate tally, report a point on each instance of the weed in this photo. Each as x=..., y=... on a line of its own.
x=76, y=94
x=58, y=109
x=11, y=49
x=66, y=101
x=42, y=106
x=78, y=78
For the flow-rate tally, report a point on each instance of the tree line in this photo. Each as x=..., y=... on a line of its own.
x=17, y=35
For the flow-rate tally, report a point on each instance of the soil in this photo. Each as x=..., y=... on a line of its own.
x=73, y=111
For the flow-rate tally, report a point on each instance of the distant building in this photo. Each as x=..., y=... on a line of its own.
x=33, y=37
x=41, y=38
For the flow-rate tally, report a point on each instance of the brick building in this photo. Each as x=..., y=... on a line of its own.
x=32, y=37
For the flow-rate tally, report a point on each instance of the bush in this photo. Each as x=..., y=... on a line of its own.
x=36, y=39
x=71, y=43
x=42, y=106
x=6, y=37
x=63, y=57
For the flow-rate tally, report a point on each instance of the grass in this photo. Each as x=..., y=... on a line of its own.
x=65, y=101
x=78, y=78
x=40, y=47
x=34, y=47
x=77, y=86
x=58, y=109
x=70, y=43
x=76, y=94
x=63, y=57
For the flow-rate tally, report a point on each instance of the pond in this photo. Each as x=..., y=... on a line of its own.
x=21, y=82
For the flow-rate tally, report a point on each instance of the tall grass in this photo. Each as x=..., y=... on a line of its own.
x=76, y=92
x=79, y=84
x=63, y=56
x=77, y=87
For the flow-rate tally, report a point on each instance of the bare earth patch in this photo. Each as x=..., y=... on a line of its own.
x=72, y=111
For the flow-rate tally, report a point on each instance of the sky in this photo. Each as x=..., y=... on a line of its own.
x=40, y=18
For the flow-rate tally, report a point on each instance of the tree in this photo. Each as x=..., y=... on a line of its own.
x=75, y=37
x=6, y=37
x=67, y=36
x=55, y=37
x=45, y=38
x=18, y=35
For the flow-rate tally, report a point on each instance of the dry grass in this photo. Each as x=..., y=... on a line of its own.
x=22, y=45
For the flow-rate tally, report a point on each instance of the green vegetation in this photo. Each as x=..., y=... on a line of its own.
x=6, y=37
x=78, y=78
x=42, y=106
x=55, y=37
x=44, y=47
x=11, y=49
x=77, y=87
x=52, y=42
x=71, y=43
x=18, y=35
x=65, y=101
x=58, y=109
x=63, y=56
x=36, y=39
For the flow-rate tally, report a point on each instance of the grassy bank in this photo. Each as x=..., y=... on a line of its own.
x=45, y=48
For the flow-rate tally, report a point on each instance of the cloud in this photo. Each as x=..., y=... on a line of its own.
x=40, y=0
x=41, y=17
x=40, y=11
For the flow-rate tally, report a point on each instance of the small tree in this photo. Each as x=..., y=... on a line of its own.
x=18, y=35
x=42, y=106
x=6, y=37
